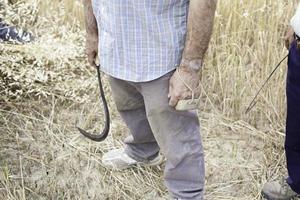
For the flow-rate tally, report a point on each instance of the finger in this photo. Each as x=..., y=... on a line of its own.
x=286, y=41
x=170, y=90
x=186, y=95
x=92, y=59
x=173, y=101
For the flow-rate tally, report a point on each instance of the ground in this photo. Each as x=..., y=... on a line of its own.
x=47, y=89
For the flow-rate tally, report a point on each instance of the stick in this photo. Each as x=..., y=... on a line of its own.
x=253, y=102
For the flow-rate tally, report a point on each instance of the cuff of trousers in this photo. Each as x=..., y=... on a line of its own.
x=295, y=187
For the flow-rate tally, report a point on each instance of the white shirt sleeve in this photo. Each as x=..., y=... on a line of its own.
x=295, y=22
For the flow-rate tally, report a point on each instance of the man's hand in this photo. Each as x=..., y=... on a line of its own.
x=178, y=89
x=92, y=48
x=289, y=38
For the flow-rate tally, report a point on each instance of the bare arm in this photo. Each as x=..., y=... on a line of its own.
x=91, y=32
x=200, y=26
x=90, y=20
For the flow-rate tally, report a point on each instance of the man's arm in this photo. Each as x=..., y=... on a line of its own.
x=200, y=25
x=90, y=20
x=91, y=32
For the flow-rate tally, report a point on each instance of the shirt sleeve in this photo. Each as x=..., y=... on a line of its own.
x=295, y=22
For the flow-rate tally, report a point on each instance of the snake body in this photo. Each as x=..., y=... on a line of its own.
x=103, y=135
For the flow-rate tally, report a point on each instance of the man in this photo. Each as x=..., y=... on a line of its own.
x=141, y=43
x=290, y=187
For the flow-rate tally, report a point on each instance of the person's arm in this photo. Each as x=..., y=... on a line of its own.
x=200, y=26
x=91, y=32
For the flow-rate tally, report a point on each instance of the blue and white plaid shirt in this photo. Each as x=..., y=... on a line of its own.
x=140, y=40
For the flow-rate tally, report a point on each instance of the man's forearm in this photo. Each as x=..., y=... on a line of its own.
x=90, y=20
x=200, y=26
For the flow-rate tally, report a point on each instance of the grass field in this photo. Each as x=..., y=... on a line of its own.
x=47, y=88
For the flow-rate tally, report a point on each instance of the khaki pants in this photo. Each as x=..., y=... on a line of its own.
x=155, y=126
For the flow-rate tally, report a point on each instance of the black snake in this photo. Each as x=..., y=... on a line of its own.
x=103, y=135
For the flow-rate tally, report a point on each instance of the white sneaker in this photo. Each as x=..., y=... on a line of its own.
x=117, y=159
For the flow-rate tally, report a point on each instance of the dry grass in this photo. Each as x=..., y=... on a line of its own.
x=46, y=90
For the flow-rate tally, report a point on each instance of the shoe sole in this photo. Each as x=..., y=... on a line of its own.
x=265, y=196
x=155, y=162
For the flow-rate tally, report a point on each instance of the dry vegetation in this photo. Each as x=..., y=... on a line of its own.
x=46, y=89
